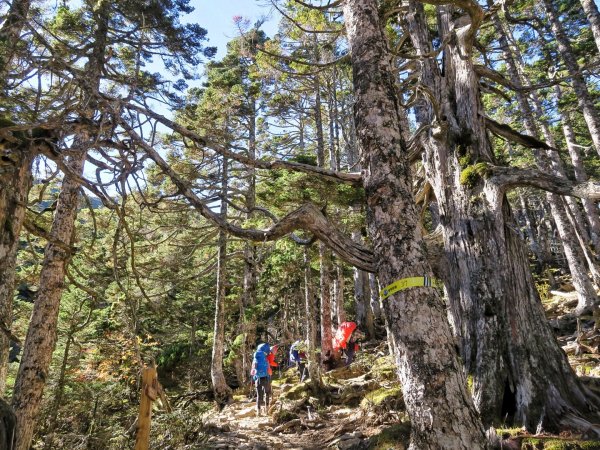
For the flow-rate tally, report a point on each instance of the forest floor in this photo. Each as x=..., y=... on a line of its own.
x=361, y=406
x=366, y=413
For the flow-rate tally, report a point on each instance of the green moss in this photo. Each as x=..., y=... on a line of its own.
x=381, y=395
x=473, y=173
x=301, y=390
x=384, y=368
x=464, y=161
x=283, y=416
x=395, y=437
x=281, y=381
x=559, y=444
x=470, y=383
x=506, y=433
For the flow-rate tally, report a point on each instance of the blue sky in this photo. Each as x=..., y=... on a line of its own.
x=217, y=17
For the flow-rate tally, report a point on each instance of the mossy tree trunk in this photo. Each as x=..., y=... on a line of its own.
x=504, y=338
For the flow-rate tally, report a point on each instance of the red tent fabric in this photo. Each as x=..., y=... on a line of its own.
x=342, y=335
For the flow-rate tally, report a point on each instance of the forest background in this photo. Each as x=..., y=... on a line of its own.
x=261, y=203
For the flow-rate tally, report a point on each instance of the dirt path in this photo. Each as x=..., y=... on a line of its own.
x=238, y=427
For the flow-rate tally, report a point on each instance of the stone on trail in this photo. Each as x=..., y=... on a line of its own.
x=349, y=444
x=248, y=412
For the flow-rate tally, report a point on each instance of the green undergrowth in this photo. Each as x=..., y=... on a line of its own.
x=506, y=433
x=286, y=378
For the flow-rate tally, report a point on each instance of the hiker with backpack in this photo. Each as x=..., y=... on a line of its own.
x=261, y=373
x=298, y=357
x=345, y=341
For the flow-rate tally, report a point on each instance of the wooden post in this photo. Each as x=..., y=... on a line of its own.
x=150, y=388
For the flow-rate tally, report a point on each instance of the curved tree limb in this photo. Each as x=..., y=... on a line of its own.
x=471, y=7
x=512, y=177
x=505, y=131
x=308, y=217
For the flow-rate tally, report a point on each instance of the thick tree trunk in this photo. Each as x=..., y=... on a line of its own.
x=41, y=334
x=494, y=306
x=220, y=388
x=593, y=16
x=579, y=85
x=440, y=409
x=15, y=182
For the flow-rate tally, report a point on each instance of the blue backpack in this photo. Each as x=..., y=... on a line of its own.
x=260, y=362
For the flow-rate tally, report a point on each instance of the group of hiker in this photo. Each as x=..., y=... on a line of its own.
x=344, y=343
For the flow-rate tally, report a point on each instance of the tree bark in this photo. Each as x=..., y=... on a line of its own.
x=325, y=282
x=579, y=85
x=362, y=300
x=220, y=388
x=15, y=182
x=41, y=334
x=493, y=303
x=440, y=409
x=311, y=324
x=339, y=311
x=530, y=232
x=374, y=290
x=590, y=207
x=593, y=16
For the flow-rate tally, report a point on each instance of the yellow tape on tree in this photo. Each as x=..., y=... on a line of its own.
x=406, y=283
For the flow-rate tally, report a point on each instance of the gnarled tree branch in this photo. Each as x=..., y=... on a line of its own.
x=308, y=217
x=508, y=133
x=512, y=177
